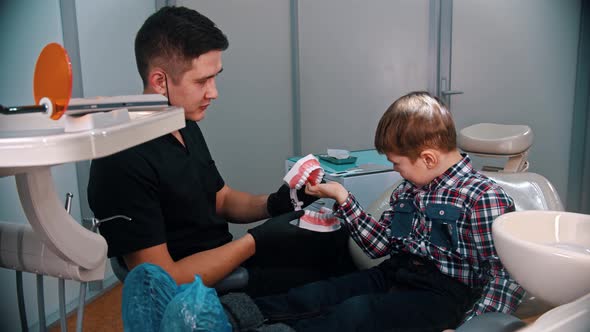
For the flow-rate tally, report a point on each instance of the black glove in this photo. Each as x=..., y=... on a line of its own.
x=280, y=202
x=275, y=230
x=278, y=243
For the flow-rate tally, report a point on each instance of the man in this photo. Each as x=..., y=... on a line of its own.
x=174, y=194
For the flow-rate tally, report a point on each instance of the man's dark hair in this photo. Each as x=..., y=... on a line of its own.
x=172, y=37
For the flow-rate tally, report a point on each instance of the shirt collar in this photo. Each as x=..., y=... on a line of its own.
x=453, y=174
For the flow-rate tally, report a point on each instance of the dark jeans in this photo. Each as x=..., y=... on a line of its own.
x=317, y=256
x=404, y=293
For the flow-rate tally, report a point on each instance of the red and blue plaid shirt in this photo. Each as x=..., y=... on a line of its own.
x=449, y=221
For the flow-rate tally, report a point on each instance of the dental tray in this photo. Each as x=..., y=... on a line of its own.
x=333, y=160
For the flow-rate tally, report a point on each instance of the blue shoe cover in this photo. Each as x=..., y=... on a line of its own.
x=147, y=291
x=196, y=307
x=153, y=302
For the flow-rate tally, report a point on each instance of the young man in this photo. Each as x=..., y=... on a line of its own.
x=173, y=192
x=443, y=267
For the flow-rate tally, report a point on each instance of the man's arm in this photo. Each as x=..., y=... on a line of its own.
x=240, y=207
x=212, y=265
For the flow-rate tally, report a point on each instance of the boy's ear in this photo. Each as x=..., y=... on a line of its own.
x=430, y=158
x=157, y=80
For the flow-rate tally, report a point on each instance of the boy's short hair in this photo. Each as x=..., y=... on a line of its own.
x=414, y=123
x=172, y=37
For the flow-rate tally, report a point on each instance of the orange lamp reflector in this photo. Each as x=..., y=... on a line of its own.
x=53, y=78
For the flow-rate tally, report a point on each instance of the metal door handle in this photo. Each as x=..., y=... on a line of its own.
x=451, y=92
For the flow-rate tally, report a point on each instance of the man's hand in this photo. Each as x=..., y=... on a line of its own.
x=280, y=202
x=278, y=243
x=274, y=231
x=332, y=190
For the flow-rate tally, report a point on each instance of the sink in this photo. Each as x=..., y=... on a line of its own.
x=546, y=252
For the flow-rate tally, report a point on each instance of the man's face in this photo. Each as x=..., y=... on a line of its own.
x=197, y=88
x=415, y=172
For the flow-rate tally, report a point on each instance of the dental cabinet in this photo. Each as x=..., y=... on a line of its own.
x=366, y=178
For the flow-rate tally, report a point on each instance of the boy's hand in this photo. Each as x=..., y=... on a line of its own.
x=333, y=190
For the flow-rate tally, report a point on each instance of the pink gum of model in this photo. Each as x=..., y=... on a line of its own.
x=305, y=170
x=321, y=221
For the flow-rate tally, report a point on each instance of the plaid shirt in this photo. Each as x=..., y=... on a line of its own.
x=448, y=221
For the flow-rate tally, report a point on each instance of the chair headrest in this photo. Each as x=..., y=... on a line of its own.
x=497, y=139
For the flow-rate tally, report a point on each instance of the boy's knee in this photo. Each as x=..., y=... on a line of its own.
x=355, y=311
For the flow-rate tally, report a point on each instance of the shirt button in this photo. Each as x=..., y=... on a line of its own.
x=401, y=205
x=388, y=232
x=441, y=212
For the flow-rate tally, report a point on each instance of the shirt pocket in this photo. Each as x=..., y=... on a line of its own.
x=403, y=217
x=444, y=232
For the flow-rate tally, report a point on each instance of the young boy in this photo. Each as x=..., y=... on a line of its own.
x=443, y=267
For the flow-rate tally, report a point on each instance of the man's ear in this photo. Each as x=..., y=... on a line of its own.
x=430, y=158
x=157, y=81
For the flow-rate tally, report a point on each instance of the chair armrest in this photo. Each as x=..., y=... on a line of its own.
x=492, y=322
x=236, y=280
x=119, y=268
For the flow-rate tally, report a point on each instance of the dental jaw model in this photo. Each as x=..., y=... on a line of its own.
x=308, y=170
x=321, y=221
x=305, y=170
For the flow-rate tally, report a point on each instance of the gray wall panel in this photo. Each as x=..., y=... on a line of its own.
x=357, y=57
x=516, y=63
x=248, y=128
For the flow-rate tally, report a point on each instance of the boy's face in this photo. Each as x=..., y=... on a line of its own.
x=415, y=172
x=197, y=87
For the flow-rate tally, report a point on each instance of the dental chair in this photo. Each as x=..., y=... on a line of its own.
x=234, y=281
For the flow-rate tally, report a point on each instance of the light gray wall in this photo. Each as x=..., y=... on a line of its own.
x=107, y=30
x=514, y=60
x=248, y=129
x=357, y=57
x=516, y=63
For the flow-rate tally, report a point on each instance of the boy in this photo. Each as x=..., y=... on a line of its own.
x=443, y=266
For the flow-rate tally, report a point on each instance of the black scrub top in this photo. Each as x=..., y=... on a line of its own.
x=167, y=189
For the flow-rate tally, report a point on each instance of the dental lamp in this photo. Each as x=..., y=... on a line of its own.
x=53, y=243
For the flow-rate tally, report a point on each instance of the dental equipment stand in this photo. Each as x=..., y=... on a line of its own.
x=41, y=295
x=53, y=243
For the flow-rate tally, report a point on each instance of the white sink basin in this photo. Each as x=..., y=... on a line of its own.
x=546, y=252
